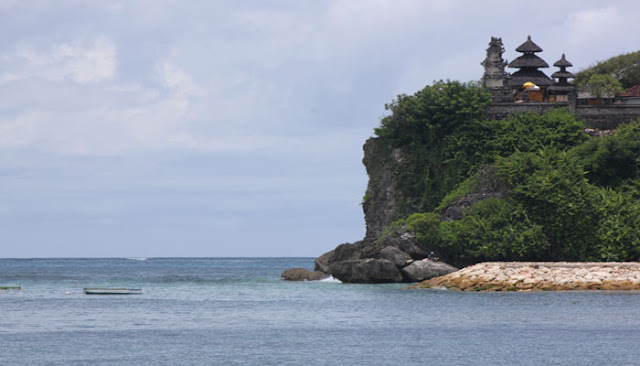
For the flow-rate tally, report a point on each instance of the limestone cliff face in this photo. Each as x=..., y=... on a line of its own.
x=381, y=199
x=396, y=256
x=377, y=259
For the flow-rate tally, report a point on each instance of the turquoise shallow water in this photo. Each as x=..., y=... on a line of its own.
x=214, y=311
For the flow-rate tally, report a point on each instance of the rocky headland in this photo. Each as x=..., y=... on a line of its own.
x=540, y=276
x=381, y=256
x=449, y=180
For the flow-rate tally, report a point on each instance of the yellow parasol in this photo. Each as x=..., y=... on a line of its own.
x=528, y=85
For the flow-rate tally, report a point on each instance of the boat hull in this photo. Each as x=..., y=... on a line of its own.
x=112, y=291
x=3, y=288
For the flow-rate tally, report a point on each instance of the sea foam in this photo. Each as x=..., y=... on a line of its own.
x=330, y=279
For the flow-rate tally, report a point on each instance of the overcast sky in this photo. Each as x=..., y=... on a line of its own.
x=232, y=128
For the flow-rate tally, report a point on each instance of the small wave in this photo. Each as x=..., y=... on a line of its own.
x=330, y=279
x=439, y=288
x=138, y=258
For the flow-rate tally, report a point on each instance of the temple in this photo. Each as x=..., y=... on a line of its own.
x=529, y=63
x=528, y=84
x=529, y=89
x=559, y=91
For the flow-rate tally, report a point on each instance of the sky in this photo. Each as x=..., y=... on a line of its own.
x=158, y=128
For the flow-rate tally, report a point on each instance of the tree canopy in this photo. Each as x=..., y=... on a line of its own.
x=624, y=68
x=567, y=196
x=601, y=85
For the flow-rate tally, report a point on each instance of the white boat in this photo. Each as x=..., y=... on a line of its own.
x=112, y=291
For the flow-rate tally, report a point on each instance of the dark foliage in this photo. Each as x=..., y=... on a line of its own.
x=625, y=68
x=569, y=197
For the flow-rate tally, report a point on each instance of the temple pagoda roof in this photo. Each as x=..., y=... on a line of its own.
x=535, y=76
x=562, y=74
x=529, y=46
x=528, y=60
x=562, y=62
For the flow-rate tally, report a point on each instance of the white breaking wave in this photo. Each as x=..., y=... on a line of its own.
x=330, y=279
x=138, y=258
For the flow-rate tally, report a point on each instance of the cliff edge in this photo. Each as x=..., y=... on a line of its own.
x=383, y=256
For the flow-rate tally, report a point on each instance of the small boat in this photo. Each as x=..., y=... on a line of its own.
x=10, y=288
x=112, y=291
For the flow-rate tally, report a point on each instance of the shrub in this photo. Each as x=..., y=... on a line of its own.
x=493, y=230
x=613, y=159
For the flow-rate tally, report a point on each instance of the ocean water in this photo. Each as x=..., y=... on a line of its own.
x=237, y=311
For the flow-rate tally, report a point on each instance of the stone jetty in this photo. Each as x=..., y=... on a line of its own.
x=540, y=276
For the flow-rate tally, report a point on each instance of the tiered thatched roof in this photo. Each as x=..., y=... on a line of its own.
x=562, y=86
x=529, y=46
x=528, y=64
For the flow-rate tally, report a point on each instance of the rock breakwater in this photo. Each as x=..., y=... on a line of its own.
x=540, y=276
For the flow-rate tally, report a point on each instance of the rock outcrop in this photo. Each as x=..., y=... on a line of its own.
x=395, y=255
x=366, y=271
x=381, y=199
x=394, y=258
x=379, y=257
x=322, y=262
x=301, y=274
x=425, y=269
x=540, y=276
x=488, y=186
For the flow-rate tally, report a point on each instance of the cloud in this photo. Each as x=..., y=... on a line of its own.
x=69, y=61
x=180, y=83
x=592, y=25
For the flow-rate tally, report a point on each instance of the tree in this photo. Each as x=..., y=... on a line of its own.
x=434, y=111
x=625, y=68
x=602, y=85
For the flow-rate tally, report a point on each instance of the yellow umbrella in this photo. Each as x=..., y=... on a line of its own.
x=528, y=85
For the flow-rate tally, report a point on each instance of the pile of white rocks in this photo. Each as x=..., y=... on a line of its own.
x=541, y=276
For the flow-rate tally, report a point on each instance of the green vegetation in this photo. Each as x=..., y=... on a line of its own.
x=563, y=195
x=601, y=85
x=624, y=68
x=427, y=126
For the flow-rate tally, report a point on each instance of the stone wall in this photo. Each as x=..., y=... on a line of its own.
x=503, y=110
x=607, y=117
x=604, y=117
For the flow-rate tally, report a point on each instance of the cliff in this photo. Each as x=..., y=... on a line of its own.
x=380, y=202
x=383, y=255
x=446, y=181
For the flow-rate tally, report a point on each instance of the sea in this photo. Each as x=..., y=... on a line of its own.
x=237, y=311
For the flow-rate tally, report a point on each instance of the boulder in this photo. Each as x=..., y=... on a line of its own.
x=453, y=213
x=395, y=255
x=358, y=250
x=425, y=269
x=301, y=274
x=322, y=262
x=406, y=243
x=366, y=271
x=344, y=252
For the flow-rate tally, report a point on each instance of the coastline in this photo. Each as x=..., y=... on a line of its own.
x=540, y=276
